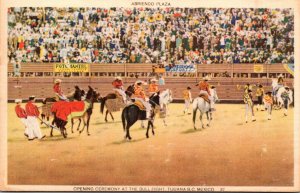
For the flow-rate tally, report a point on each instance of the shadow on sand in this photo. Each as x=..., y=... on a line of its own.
x=104, y=123
x=127, y=141
x=191, y=131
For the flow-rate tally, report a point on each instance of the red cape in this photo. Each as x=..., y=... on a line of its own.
x=63, y=108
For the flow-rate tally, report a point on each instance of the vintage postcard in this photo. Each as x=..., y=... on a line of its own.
x=138, y=95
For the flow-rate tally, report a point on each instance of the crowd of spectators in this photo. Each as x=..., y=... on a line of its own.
x=151, y=35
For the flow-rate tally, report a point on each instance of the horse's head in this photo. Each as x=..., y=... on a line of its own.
x=92, y=95
x=166, y=96
x=130, y=90
x=78, y=93
x=154, y=99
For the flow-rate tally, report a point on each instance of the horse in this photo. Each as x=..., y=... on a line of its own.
x=48, y=102
x=65, y=110
x=204, y=107
x=132, y=113
x=279, y=100
x=165, y=98
x=111, y=106
x=277, y=90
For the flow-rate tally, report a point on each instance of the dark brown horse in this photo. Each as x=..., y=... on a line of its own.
x=132, y=113
x=47, y=104
x=91, y=97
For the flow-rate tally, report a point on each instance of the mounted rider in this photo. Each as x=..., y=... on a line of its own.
x=204, y=88
x=280, y=83
x=58, y=91
x=118, y=86
x=139, y=95
x=153, y=86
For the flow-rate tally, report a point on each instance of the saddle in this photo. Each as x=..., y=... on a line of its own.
x=140, y=105
x=118, y=95
x=205, y=97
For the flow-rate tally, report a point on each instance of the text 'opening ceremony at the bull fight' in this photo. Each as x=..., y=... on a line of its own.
x=214, y=86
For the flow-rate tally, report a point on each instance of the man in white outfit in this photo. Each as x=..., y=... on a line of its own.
x=21, y=113
x=33, y=113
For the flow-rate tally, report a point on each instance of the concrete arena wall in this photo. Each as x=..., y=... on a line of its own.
x=42, y=87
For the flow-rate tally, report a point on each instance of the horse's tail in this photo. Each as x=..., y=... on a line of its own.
x=102, y=100
x=124, y=114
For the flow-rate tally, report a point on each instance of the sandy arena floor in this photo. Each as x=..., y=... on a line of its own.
x=230, y=152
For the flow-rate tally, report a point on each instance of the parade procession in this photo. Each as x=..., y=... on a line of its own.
x=150, y=96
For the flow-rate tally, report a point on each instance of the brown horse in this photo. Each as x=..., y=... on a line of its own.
x=113, y=103
x=58, y=107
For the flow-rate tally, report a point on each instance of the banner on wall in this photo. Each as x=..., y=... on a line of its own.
x=71, y=67
x=258, y=68
x=181, y=68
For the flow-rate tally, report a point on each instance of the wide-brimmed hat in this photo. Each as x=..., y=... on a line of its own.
x=286, y=87
x=206, y=78
x=269, y=92
x=57, y=81
x=18, y=100
x=118, y=78
x=153, y=80
x=139, y=82
x=31, y=97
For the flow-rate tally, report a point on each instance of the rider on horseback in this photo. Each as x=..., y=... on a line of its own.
x=280, y=83
x=118, y=86
x=139, y=95
x=204, y=88
x=153, y=86
x=58, y=92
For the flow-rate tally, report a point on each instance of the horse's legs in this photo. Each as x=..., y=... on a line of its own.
x=164, y=120
x=112, y=117
x=79, y=124
x=87, y=124
x=84, y=124
x=106, y=113
x=147, y=135
x=142, y=124
x=201, y=115
x=209, y=118
x=43, y=117
x=127, y=132
x=151, y=123
x=72, y=124
x=194, y=117
x=53, y=122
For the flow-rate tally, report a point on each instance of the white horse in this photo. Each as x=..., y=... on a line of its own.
x=204, y=107
x=277, y=92
x=165, y=98
x=279, y=98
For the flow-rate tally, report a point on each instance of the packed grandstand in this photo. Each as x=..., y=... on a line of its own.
x=151, y=35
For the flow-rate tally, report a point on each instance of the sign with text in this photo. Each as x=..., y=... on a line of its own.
x=181, y=68
x=258, y=68
x=71, y=67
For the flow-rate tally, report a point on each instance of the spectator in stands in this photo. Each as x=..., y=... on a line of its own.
x=171, y=35
x=161, y=80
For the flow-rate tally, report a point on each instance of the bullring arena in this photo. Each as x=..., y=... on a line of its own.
x=232, y=46
x=229, y=152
